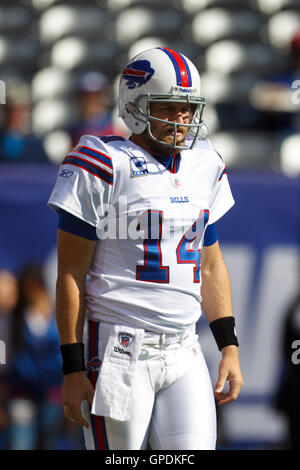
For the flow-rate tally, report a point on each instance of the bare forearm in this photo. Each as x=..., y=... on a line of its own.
x=216, y=292
x=70, y=308
x=74, y=255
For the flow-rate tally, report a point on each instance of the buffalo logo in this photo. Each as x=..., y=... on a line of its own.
x=125, y=339
x=138, y=73
x=93, y=364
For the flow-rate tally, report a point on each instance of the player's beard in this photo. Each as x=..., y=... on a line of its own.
x=166, y=135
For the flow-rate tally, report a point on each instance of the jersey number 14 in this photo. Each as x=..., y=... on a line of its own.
x=187, y=251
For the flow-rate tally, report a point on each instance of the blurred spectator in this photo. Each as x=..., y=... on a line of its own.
x=35, y=377
x=8, y=300
x=17, y=143
x=289, y=389
x=95, y=113
x=277, y=98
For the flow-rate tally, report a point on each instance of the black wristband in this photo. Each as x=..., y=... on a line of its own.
x=223, y=330
x=72, y=357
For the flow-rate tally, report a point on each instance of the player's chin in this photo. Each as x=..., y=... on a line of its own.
x=180, y=138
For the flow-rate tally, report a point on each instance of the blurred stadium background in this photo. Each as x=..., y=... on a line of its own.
x=59, y=68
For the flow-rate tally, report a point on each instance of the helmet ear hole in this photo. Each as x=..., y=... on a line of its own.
x=131, y=108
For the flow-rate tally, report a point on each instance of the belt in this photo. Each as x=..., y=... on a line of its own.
x=163, y=339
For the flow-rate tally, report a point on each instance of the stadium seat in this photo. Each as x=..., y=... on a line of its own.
x=63, y=20
x=210, y=117
x=57, y=144
x=118, y=5
x=194, y=6
x=144, y=44
x=270, y=7
x=41, y=5
x=18, y=51
x=227, y=89
x=51, y=82
x=230, y=57
x=133, y=23
x=14, y=19
x=17, y=90
x=138, y=22
x=70, y=52
x=75, y=53
x=6, y=50
x=169, y=22
x=217, y=23
x=289, y=155
x=52, y=114
x=245, y=149
x=282, y=26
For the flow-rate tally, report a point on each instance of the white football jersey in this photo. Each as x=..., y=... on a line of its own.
x=150, y=222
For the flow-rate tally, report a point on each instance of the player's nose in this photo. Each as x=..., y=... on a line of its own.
x=179, y=114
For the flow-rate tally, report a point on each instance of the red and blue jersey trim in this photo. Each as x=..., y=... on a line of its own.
x=97, y=422
x=174, y=167
x=89, y=167
x=224, y=169
x=100, y=157
x=222, y=174
x=183, y=74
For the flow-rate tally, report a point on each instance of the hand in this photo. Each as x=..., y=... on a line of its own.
x=229, y=369
x=76, y=388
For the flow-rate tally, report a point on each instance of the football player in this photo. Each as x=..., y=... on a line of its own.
x=139, y=258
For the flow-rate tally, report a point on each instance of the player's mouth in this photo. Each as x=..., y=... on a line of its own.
x=180, y=131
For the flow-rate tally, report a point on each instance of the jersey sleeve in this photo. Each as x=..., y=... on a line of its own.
x=221, y=199
x=84, y=183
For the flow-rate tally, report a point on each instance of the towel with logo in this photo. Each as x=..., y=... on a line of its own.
x=119, y=350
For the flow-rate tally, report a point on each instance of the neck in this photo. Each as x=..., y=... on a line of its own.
x=154, y=148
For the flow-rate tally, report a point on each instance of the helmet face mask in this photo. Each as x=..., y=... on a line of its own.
x=161, y=82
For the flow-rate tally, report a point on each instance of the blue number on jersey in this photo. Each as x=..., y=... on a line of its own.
x=152, y=271
x=187, y=251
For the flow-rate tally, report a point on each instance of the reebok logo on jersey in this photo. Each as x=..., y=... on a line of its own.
x=66, y=173
x=178, y=199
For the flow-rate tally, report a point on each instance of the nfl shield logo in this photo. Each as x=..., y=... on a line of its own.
x=175, y=181
x=125, y=339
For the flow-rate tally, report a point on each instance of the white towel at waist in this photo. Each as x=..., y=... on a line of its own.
x=113, y=391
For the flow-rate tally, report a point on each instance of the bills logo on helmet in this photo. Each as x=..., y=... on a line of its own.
x=125, y=339
x=137, y=73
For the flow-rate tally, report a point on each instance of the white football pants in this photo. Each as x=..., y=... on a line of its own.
x=173, y=405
